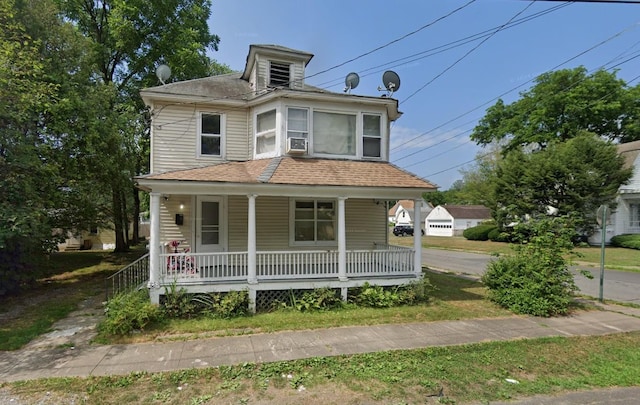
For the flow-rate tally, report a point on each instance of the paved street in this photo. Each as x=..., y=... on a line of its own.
x=619, y=286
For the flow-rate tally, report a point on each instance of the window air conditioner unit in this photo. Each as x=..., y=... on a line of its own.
x=296, y=146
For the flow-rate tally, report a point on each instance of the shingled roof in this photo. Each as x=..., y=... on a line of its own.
x=468, y=211
x=301, y=171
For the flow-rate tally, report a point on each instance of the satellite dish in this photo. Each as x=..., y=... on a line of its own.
x=163, y=72
x=391, y=82
x=351, y=82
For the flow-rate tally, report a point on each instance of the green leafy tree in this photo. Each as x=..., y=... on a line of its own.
x=561, y=105
x=26, y=180
x=567, y=178
x=128, y=39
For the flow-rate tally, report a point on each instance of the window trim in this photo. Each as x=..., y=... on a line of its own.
x=222, y=136
x=315, y=242
x=380, y=137
x=277, y=130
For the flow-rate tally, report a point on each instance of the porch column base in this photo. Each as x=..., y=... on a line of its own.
x=252, y=300
x=343, y=292
x=343, y=278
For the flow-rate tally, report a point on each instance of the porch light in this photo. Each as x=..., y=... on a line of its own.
x=181, y=206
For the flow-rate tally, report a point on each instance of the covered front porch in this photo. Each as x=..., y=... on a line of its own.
x=289, y=224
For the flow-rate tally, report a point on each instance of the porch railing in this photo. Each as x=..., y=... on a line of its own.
x=281, y=265
x=128, y=278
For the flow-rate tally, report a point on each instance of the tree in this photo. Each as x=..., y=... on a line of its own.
x=26, y=180
x=567, y=178
x=561, y=105
x=128, y=40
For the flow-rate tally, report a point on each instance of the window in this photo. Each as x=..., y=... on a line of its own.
x=297, y=123
x=266, y=132
x=279, y=74
x=371, y=136
x=634, y=215
x=210, y=134
x=314, y=222
x=334, y=133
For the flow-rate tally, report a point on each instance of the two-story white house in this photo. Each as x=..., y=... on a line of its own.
x=270, y=184
x=626, y=217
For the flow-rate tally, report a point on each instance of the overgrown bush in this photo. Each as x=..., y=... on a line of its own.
x=479, y=232
x=536, y=280
x=376, y=296
x=496, y=235
x=127, y=312
x=222, y=305
x=629, y=241
x=319, y=299
x=178, y=303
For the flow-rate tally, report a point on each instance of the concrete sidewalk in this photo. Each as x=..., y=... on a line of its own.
x=86, y=360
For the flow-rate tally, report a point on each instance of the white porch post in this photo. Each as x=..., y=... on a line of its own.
x=342, y=241
x=154, y=241
x=251, y=242
x=417, y=237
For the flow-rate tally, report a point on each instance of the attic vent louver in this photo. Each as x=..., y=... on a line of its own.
x=279, y=75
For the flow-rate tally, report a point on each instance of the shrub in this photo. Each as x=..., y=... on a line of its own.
x=178, y=303
x=127, y=312
x=479, y=232
x=221, y=305
x=496, y=235
x=629, y=241
x=376, y=296
x=536, y=280
x=318, y=299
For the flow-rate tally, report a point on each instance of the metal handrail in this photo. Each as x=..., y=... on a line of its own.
x=128, y=278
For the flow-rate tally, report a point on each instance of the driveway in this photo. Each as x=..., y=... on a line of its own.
x=619, y=286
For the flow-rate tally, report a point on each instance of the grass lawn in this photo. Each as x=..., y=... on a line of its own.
x=615, y=258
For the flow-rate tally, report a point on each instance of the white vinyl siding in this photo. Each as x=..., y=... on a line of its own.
x=366, y=224
x=238, y=207
x=272, y=219
x=168, y=229
x=174, y=139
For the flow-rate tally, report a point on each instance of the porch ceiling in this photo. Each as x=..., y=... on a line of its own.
x=294, y=172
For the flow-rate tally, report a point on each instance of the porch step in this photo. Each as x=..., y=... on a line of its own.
x=72, y=248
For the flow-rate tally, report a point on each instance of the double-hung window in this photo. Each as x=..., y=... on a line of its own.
x=314, y=222
x=266, y=132
x=210, y=137
x=297, y=123
x=634, y=215
x=371, y=136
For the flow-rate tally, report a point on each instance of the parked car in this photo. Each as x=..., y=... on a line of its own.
x=403, y=230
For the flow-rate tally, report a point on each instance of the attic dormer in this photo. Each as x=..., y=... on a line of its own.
x=273, y=66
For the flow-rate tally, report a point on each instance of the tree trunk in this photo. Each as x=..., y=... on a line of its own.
x=121, y=245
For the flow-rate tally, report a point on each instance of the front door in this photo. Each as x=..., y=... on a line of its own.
x=210, y=225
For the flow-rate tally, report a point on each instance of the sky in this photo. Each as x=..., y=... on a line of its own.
x=455, y=58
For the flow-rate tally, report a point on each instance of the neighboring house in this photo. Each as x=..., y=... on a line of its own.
x=402, y=212
x=272, y=184
x=452, y=220
x=95, y=239
x=626, y=218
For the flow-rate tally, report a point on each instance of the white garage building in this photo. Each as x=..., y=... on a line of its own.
x=452, y=220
